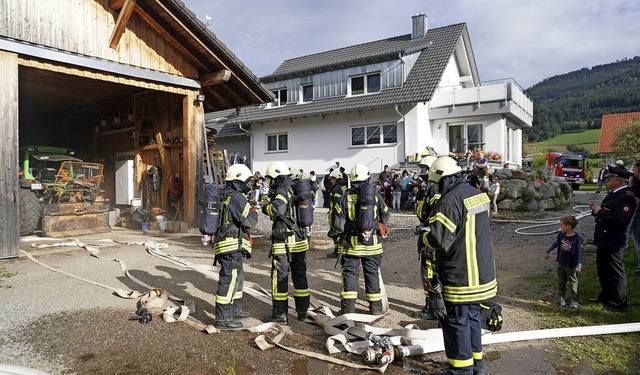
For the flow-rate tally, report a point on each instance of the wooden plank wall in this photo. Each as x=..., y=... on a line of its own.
x=85, y=27
x=9, y=220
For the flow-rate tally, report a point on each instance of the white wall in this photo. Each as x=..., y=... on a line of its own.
x=316, y=143
x=418, y=129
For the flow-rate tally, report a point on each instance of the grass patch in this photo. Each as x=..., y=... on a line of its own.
x=587, y=139
x=607, y=354
x=4, y=274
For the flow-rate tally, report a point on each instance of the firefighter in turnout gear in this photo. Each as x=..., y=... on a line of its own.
x=339, y=185
x=459, y=232
x=427, y=198
x=289, y=245
x=358, y=217
x=231, y=244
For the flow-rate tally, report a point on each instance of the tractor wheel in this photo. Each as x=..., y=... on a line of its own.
x=30, y=212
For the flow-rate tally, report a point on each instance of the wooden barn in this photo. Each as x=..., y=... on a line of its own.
x=125, y=83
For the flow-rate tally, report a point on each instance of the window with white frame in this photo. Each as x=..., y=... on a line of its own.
x=364, y=84
x=306, y=93
x=277, y=142
x=374, y=135
x=281, y=98
x=464, y=137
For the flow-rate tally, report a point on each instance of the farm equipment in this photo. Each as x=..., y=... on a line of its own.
x=61, y=192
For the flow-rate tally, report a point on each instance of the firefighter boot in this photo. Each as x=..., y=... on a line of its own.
x=238, y=313
x=224, y=317
x=279, y=313
x=348, y=306
x=375, y=307
x=424, y=313
x=302, y=306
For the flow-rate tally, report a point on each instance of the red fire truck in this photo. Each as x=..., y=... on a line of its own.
x=568, y=167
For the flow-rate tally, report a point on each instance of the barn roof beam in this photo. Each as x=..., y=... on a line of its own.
x=121, y=23
x=215, y=78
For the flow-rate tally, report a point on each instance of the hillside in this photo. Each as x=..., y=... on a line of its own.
x=577, y=100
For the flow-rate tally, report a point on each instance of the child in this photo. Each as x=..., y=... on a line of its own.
x=569, y=258
x=494, y=191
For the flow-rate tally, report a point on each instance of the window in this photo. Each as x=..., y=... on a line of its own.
x=281, y=98
x=365, y=84
x=277, y=142
x=306, y=93
x=374, y=135
x=463, y=137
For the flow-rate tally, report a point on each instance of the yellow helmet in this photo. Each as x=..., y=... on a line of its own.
x=443, y=166
x=277, y=168
x=238, y=172
x=359, y=172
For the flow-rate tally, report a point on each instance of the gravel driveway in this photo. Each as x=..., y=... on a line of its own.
x=61, y=325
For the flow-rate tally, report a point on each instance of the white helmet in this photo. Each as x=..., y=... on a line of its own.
x=306, y=175
x=335, y=174
x=296, y=173
x=277, y=168
x=443, y=166
x=238, y=172
x=427, y=161
x=359, y=172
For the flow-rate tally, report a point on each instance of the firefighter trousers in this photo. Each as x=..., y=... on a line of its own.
x=462, y=332
x=280, y=268
x=230, y=282
x=372, y=283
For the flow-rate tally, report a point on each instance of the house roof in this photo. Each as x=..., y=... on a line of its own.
x=437, y=47
x=611, y=124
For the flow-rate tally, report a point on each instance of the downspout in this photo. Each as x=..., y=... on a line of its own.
x=404, y=130
x=250, y=142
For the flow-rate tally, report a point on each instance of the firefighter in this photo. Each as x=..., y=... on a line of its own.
x=357, y=217
x=459, y=233
x=428, y=196
x=289, y=245
x=232, y=244
x=339, y=185
x=611, y=237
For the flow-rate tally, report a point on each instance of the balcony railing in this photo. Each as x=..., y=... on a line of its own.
x=507, y=91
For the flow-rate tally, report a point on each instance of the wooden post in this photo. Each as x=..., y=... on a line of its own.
x=9, y=198
x=193, y=146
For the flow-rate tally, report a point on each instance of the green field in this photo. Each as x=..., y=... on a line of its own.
x=588, y=139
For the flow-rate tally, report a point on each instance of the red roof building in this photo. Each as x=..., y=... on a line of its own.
x=611, y=124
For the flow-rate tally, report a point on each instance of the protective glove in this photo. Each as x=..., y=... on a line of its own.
x=491, y=314
x=332, y=234
x=435, y=303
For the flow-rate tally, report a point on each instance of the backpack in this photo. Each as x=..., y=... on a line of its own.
x=366, y=209
x=212, y=208
x=303, y=205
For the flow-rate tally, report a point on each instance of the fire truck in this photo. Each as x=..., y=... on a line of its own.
x=568, y=167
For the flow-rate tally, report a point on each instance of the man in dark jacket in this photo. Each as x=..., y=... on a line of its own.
x=231, y=245
x=611, y=236
x=459, y=232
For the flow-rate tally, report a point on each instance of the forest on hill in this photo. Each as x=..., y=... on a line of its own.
x=577, y=100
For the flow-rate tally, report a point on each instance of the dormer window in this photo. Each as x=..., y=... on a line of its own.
x=364, y=84
x=281, y=98
x=306, y=92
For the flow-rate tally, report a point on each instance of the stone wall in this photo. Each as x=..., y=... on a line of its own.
x=530, y=190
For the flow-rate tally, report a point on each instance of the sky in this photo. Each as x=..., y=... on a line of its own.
x=526, y=40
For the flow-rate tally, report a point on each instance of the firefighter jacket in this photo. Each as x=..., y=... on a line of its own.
x=460, y=234
x=334, y=196
x=236, y=218
x=345, y=221
x=428, y=200
x=613, y=221
x=286, y=235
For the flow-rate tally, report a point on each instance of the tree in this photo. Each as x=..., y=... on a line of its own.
x=627, y=143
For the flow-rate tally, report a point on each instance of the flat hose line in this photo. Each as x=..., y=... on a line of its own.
x=348, y=333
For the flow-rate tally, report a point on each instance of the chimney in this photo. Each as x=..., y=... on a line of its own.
x=419, y=26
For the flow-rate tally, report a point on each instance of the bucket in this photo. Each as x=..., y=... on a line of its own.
x=146, y=227
x=136, y=202
x=162, y=222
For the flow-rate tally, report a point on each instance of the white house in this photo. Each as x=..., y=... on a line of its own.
x=378, y=102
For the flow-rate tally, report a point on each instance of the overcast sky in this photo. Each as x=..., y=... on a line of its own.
x=527, y=40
